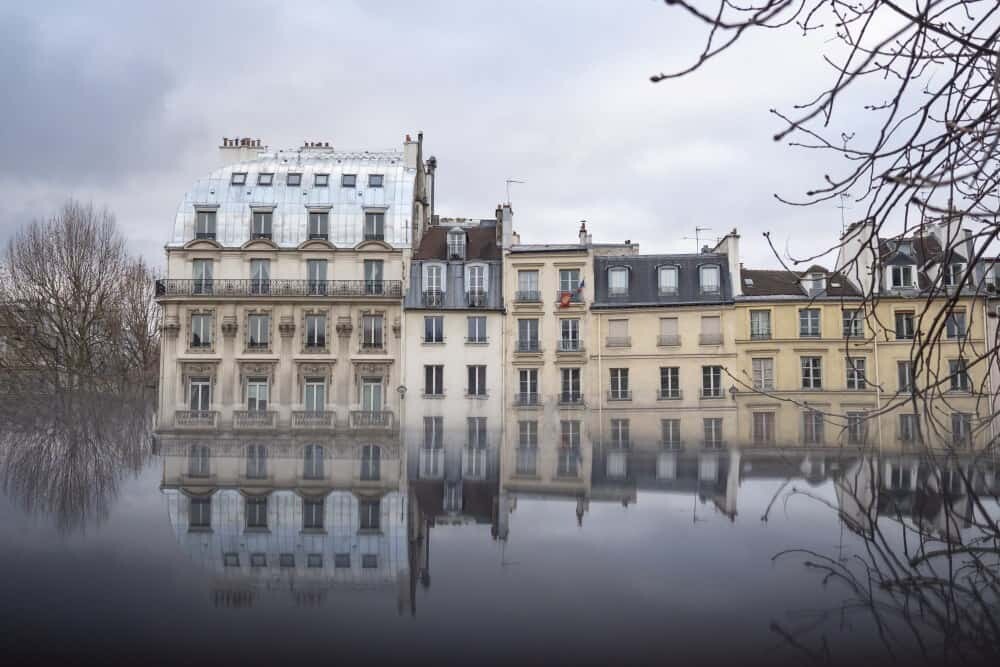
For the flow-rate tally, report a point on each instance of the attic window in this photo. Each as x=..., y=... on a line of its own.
x=618, y=281
x=667, y=279
x=294, y=179
x=709, y=279
x=375, y=180
x=901, y=276
x=456, y=244
x=238, y=178
x=321, y=180
x=265, y=179
x=953, y=274
x=348, y=180
x=748, y=282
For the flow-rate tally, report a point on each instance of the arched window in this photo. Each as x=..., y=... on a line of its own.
x=371, y=459
x=618, y=281
x=709, y=279
x=313, y=462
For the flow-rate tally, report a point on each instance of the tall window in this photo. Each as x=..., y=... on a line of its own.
x=314, y=394
x=527, y=447
x=371, y=332
x=433, y=329
x=909, y=428
x=763, y=373
x=319, y=225
x=569, y=449
x=569, y=280
x=961, y=429
x=854, y=324
x=711, y=381
x=371, y=512
x=569, y=335
x=258, y=331
x=201, y=330
x=434, y=380
x=712, y=429
x=527, y=286
x=709, y=279
x=901, y=276
x=711, y=330
x=856, y=373
x=958, y=375
x=256, y=510
x=198, y=458
x=527, y=386
x=257, y=394
x=312, y=462
x=200, y=394
x=260, y=276
x=432, y=285
x=904, y=375
x=373, y=277
x=477, y=284
x=202, y=273
x=476, y=329
x=433, y=432
x=619, y=385
x=809, y=323
x=261, y=225
x=316, y=273
x=618, y=281
x=375, y=180
x=527, y=335
x=667, y=280
x=812, y=427
x=857, y=428
x=618, y=333
x=312, y=514
x=315, y=331
x=763, y=428
x=200, y=515
x=669, y=333
x=952, y=276
x=670, y=433
x=256, y=461
x=760, y=324
x=620, y=433
x=456, y=244
x=812, y=372
x=670, y=382
x=904, y=325
x=477, y=380
x=570, y=385
x=204, y=225
x=476, y=432
x=371, y=462
x=374, y=226
x=955, y=324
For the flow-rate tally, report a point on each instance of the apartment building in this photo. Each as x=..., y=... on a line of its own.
x=453, y=355
x=282, y=305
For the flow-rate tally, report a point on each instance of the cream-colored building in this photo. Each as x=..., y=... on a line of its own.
x=282, y=301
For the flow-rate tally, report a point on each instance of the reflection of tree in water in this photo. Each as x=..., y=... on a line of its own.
x=924, y=567
x=66, y=455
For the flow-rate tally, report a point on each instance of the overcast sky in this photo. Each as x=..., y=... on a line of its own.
x=124, y=104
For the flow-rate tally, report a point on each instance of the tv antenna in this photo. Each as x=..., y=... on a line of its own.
x=697, y=237
x=843, y=208
x=509, y=181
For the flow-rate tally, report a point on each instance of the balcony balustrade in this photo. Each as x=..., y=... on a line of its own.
x=313, y=419
x=254, y=419
x=196, y=419
x=670, y=394
x=252, y=287
x=569, y=345
x=669, y=340
x=710, y=339
x=371, y=419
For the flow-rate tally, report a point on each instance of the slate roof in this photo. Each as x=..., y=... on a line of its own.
x=480, y=243
x=770, y=282
x=644, y=282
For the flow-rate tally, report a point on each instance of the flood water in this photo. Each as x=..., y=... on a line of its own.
x=151, y=554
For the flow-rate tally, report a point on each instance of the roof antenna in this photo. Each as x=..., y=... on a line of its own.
x=697, y=237
x=509, y=181
x=843, y=207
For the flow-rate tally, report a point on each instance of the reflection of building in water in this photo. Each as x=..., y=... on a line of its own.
x=283, y=514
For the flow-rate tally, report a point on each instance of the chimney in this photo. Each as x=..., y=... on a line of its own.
x=515, y=238
x=410, y=150
x=239, y=149
x=584, y=237
x=729, y=245
x=507, y=226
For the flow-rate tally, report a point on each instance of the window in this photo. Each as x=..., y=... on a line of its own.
x=477, y=380
x=260, y=276
x=314, y=394
x=909, y=428
x=256, y=508
x=904, y=375
x=569, y=434
x=619, y=385
x=527, y=386
x=812, y=427
x=198, y=458
x=202, y=272
x=231, y=559
x=286, y=560
x=763, y=373
x=434, y=380
x=294, y=179
x=854, y=326
x=200, y=514
x=261, y=225
x=371, y=332
x=369, y=561
x=204, y=225
x=433, y=329
x=312, y=462
x=374, y=226
x=670, y=382
x=321, y=180
x=958, y=375
x=527, y=447
x=312, y=514
x=901, y=276
x=527, y=335
x=809, y=323
x=319, y=225
x=373, y=277
x=315, y=331
x=669, y=335
x=955, y=324
x=371, y=511
x=711, y=330
x=712, y=429
x=433, y=432
x=812, y=372
x=527, y=286
x=620, y=433
x=342, y=561
x=200, y=394
x=432, y=285
x=763, y=428
x=570, y=385
x=258, y=560
x=952, y=276
x=667, y=280
x=476, y=329
x=238, y=178
x=265, y=178
x=314, y=560
x=316, y=276
x=476, y=432
x=856, y=373
x=569, y=280
x=618, y=333
x=857, y=428
x=670, y=433
x=961, y=429
x=256, y=462
x=760, y=324
x=618, y=281
x=258, y=331
x=371, y=463
x=201, y=330
x=456, y=244
x=569, y=335
x=476, y=285
x=257, y=394
x=904, y=325
x=711, y=381
x=348, y=180
x=708, y=277
x=375, y=180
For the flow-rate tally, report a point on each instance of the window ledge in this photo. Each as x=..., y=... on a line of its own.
x=313, y=531
x=255, y=530
x=480, y=397
x=200, y=529
x=370, y=531
x=435, y=397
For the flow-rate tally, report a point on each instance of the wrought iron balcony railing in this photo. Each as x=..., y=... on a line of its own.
x=570, y=345
x=575, y=296
x=527, y=296
x=251, y=287
x=433, y=297
x=669, y=394
x=476, y=298
x=619, y=395
x=529, y=345
x=619, y=341
x=571, y=398
x=710, y=339
x=526, y=399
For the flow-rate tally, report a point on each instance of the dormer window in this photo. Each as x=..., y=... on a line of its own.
x=238, y=178
x=293, y=180
x=321, y=180
x=375, y=180
x=667, y=279
x=618, y=281
x=265, y=179
x=814, y=282
x=953, y=273
x=708, y=277
x=901, y=276
x=348, y=180
x=456, y=244
x=204, y=226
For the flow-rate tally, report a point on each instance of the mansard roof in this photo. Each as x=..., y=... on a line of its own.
x=480, y=243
